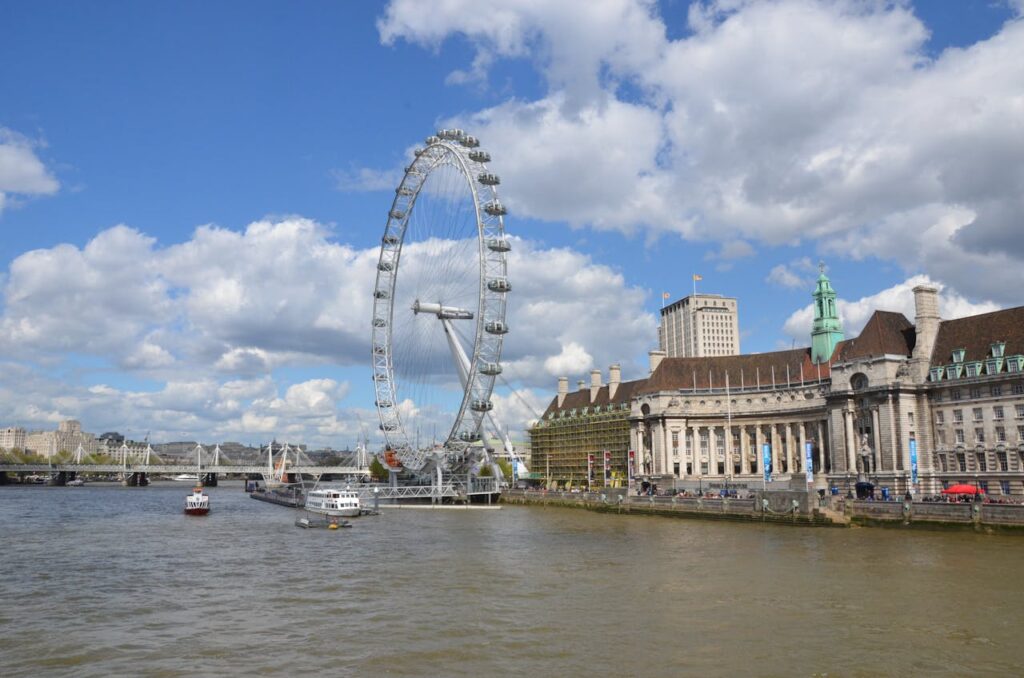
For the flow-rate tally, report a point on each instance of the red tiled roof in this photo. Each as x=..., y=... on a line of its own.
x=886, y=333
x=977, y=333
x=778, y=367
x=579, y=399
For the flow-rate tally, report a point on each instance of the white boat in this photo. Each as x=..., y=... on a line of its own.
x=186, y=478
x=77, y=482
x=332, y=502
x=197, y=503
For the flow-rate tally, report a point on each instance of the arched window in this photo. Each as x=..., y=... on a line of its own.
x=859, y=381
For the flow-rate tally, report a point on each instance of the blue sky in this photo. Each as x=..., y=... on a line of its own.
x=639, y=143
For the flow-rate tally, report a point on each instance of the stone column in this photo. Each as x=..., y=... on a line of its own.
x=691, y=446
x=822, y=449
x=666, y=445
x=893, y=434
x=758, y=444
x=877, y=457
x=850, y=441
x=803, y=446
x=713, y=450
x=744, y=450
x=776, y=452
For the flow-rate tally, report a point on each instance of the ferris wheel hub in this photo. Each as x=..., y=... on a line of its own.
x=443, y=312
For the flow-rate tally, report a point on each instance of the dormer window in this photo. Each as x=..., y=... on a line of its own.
x=585, y=410
x=1015, y=363
x=998, y=348
x=993, y=365
x=958, y=355
x=973, y=369
x=955, y=371
x=936, y=373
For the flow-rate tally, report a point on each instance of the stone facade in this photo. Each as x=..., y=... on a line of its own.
x=66, y=438
x=942, y=400
x=12, y=438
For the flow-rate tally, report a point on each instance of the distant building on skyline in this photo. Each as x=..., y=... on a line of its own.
x=700, y=325
x=66, y=438
x=12, y=437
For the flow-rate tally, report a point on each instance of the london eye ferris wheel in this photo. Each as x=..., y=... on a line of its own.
x=439, y=302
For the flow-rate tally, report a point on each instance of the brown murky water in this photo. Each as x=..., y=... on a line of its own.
x=100, y=581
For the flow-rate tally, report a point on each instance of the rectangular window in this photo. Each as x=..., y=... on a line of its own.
x=1000, y=434
x=1018, y=389
x=982, y=466
x=997, y=391
x=975, y=392
x=1004, y=465
x=961, y=460
x=940, y=417
x=976, y=413
x=942, y=437
x=955, y=394
x=972, y=371
x=958, y=416
x=1020, y=433
x=1004, y=485
x=979, y=435
x=997, y=412
x=1020, y=411
x=910, y=418
x=959, y=435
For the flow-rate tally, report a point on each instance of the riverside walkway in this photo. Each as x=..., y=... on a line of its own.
x=787, y=508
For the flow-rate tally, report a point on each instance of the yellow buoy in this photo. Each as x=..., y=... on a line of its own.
x=332, y=526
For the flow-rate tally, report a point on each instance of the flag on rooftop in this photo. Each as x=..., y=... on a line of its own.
x=665, y=295
x=697, y=276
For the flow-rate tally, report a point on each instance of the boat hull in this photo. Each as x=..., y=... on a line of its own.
x=336, y=513
x=197, y=511
x=281, y=499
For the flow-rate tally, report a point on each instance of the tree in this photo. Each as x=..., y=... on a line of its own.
x=377, y=470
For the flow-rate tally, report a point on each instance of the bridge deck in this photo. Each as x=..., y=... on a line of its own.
x=177, y=468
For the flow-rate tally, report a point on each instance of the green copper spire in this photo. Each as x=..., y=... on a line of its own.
x=828, y=331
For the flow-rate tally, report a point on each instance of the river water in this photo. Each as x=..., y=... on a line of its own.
x=99, y=581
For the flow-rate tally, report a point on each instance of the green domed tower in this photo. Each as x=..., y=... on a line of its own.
x=828, y=331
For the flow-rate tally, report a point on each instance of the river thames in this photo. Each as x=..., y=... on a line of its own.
x=104, y=580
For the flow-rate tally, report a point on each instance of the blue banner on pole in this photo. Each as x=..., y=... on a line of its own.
x=766, y=453
x=809, y=461
x=913, y=461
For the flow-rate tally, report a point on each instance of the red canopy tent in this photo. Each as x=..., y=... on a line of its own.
x=963, y=488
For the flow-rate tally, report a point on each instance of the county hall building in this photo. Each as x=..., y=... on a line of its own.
x=942, y=400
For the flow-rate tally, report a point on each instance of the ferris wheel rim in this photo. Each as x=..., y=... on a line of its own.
x=456, y=149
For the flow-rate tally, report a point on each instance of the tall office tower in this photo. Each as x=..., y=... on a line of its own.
x=700, y=325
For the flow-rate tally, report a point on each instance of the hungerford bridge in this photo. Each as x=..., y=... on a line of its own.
x=135, y=467
x=286, y=465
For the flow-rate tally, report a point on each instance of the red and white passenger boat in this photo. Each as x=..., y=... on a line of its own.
x=197, y=503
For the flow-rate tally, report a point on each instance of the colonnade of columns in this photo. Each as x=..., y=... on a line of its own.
x=699, y=449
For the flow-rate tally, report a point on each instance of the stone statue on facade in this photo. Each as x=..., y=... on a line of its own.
x=865, y=454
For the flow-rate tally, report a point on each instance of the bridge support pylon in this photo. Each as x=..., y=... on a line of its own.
x=209, y=479
x=3, y=478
